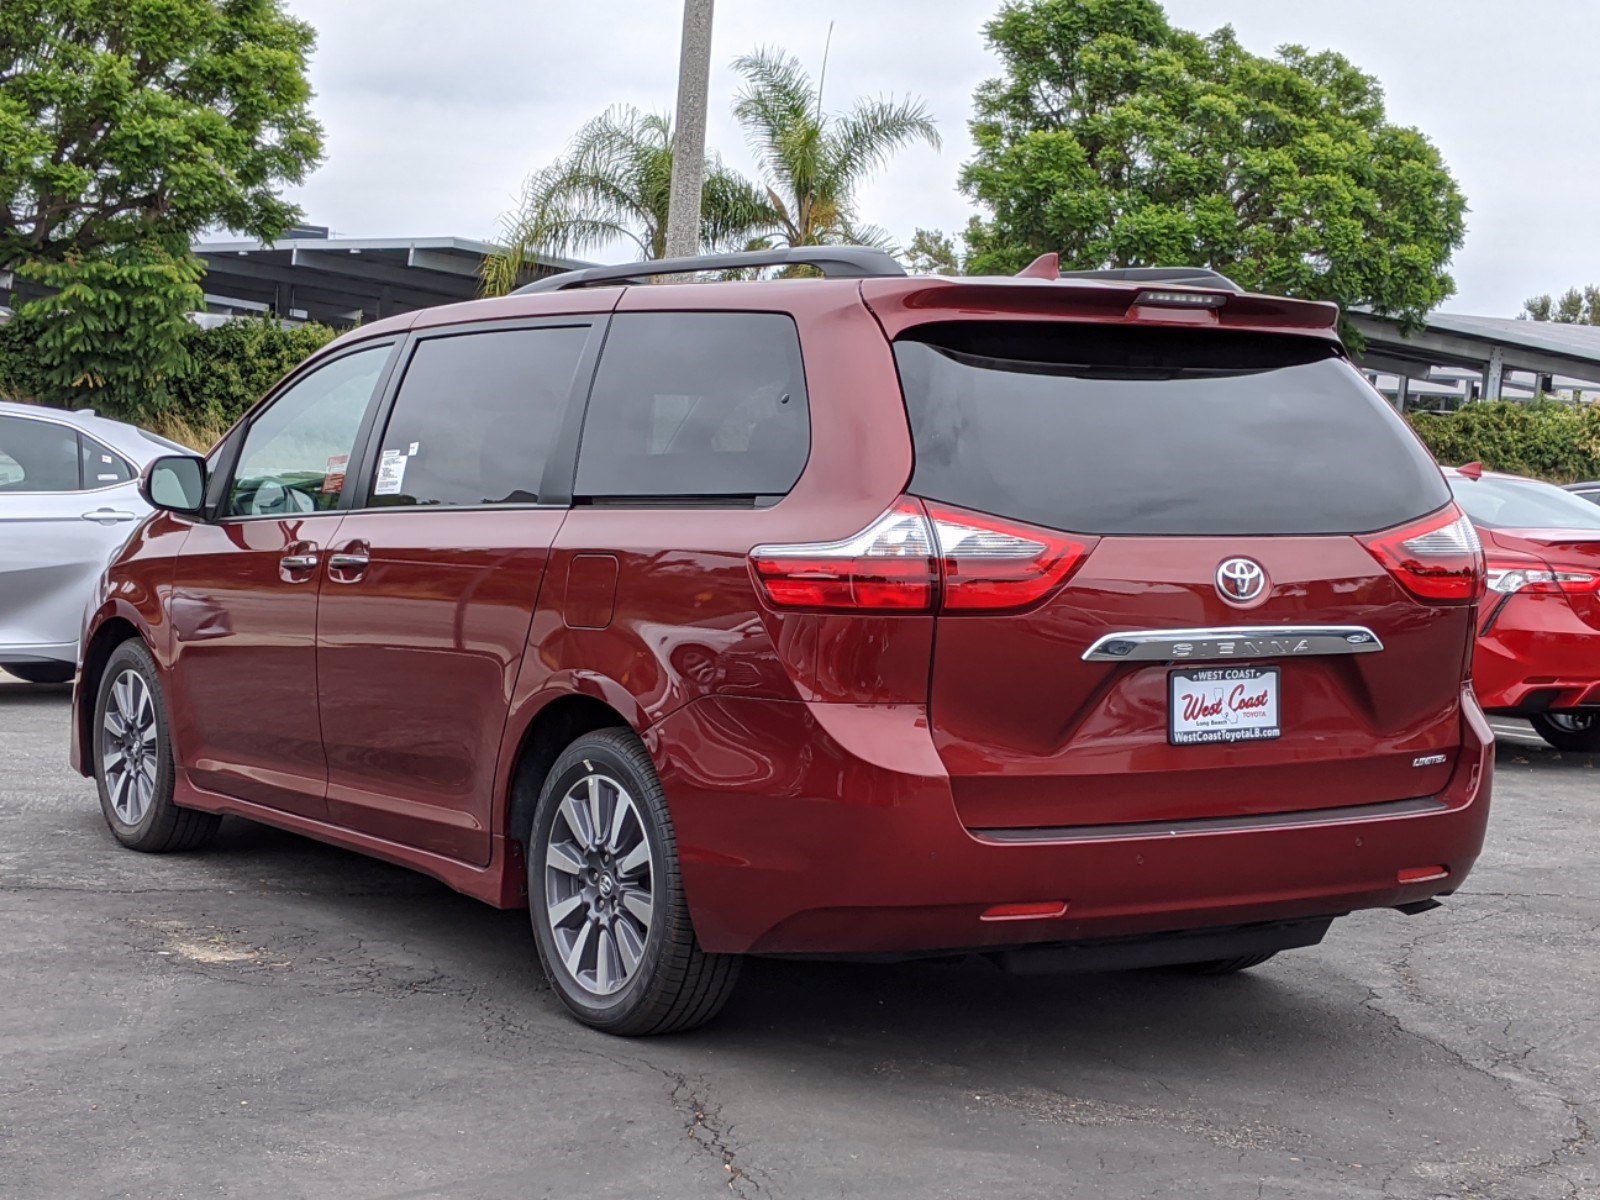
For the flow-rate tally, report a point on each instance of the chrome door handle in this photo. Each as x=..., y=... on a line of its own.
x=348, y=562
x=298, y=562
x=109, y=516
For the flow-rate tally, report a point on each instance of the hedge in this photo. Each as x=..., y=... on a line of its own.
x=1546, y=439
x=224, y=371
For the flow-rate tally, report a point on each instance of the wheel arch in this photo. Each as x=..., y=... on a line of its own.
x=110, y=634
x=553, y=728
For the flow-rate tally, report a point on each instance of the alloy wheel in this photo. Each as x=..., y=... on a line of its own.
x=598, y=884
x=129, y=747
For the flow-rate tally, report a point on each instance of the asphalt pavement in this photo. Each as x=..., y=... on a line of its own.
x=275, y=1018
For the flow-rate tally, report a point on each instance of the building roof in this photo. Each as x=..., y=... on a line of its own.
x=1459, y=340
x=343, y=281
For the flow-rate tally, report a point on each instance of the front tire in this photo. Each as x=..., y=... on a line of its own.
x=1578, y=730
x=133, y=766
x=606, y=898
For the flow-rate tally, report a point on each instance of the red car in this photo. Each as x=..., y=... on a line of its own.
x=1108, y=620
x=1538, y=652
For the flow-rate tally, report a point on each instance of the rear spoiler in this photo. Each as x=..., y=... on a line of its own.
x=900, y=304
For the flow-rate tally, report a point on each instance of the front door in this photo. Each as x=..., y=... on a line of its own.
x=244, y=598
x=433, y=579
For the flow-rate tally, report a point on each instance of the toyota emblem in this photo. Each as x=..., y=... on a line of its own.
x=1241, y=580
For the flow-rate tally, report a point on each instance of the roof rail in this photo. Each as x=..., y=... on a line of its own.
x=835, y=262
x=1198, y=276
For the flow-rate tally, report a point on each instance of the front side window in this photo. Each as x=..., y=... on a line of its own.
x=692, y=405
x=297, y=451
x=476, y=417
x=38, y=456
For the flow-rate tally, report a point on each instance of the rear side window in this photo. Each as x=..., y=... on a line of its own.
x=476, y=417
x=38, y=456
x=690, y=405
x=102, y=468
x=1105, y=430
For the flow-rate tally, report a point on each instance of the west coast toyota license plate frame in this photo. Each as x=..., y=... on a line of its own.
x=1220, y=705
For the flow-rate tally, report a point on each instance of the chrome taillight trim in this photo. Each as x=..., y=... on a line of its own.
x=1232, y=642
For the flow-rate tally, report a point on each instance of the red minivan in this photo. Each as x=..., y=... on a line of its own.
x=1083, y=621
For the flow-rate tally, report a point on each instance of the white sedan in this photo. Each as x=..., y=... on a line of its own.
x=69, y=498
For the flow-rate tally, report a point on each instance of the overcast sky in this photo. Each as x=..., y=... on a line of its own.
x=435, y=112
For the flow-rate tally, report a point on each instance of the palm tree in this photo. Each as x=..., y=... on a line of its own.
x=614, y=182
x=811, y=161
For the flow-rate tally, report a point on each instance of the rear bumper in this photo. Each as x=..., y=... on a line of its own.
x=831, y=829
x=1537, y=655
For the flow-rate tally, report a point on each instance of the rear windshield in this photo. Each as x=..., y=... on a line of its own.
x=1107, y=430
x=1523, y=504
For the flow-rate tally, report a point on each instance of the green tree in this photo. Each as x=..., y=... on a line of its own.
x=614, y=183
x=1574, y=307
x=932, y=252
x=128, y=127
x=1118, y=140
x=812, y=161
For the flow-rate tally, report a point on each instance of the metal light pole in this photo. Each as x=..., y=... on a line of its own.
x=689, y=132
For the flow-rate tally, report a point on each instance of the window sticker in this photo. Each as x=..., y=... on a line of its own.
x=391, y=473
x=111, y=478
x=333, y=477
x=415, y=446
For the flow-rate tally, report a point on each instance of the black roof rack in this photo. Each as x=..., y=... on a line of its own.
x=835, y=262
x=1198, y=276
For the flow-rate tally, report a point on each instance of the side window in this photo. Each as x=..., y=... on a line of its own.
x=696, y=405
x=38, y=456
x=101, y=467
x=296, y=451
x=476, y=416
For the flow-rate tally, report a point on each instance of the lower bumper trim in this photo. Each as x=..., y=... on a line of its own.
x=1163, y=950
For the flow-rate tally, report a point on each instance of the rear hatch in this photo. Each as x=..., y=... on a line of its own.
x=1268, y=594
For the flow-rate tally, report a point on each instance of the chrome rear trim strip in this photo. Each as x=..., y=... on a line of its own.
x=1380, y=811
x=1225, y=642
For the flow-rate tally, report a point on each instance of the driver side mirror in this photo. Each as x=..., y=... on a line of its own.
x=175, y=483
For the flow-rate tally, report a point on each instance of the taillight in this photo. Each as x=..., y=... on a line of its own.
x=991, y=564
x=888, y=567
x=1438, y=559
x=918, y=560
x=1507, y=578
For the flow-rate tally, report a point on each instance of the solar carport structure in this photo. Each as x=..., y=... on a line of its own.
x=308, y=276
x=1462, y=358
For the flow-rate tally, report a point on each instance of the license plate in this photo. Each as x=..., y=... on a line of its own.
x=1222, y=704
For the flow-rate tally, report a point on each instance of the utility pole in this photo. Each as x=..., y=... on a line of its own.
x=689, y=131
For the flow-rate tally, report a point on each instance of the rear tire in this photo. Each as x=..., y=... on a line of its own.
x=1578, y=731
x=43, y=672
x=1227, y=966
x=606, y=898
x=132, y=755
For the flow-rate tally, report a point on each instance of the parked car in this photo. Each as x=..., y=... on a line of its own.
x=1538, y=652
x=1589, y=490
x=69, y=497
x=1093, y=621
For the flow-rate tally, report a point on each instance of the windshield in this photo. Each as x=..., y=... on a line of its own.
x=1502, y=503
